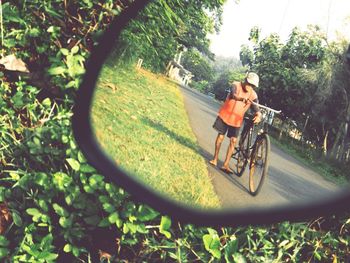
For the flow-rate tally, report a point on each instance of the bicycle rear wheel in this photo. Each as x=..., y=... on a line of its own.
x=259, y=163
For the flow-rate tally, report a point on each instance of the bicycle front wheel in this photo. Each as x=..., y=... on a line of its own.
x=243, y=152
x=259, y=163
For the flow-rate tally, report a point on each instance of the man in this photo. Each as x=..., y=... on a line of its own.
x=231, y=115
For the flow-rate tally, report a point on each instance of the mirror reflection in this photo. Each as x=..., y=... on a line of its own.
x=234, y=105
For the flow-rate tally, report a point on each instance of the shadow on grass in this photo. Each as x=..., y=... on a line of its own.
x=193, y=146
x=180, y=139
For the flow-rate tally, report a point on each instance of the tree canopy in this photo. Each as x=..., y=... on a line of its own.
x=165, y=28
x=307, y=78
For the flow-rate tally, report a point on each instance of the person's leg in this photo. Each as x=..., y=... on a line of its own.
x=229, y=153
x=218, y=142
x=221, y=128
x=232, y=133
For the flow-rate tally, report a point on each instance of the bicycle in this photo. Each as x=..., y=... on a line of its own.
x=257, y=154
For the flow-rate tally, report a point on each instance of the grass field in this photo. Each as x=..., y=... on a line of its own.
x=140, y=121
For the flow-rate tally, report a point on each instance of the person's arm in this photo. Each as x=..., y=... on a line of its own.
x=257, y=113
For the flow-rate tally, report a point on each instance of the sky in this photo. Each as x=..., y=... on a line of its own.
x=277, y=16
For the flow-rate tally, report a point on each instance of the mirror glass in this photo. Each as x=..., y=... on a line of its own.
x=181, y=64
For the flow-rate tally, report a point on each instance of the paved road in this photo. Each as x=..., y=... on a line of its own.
x=288, y=180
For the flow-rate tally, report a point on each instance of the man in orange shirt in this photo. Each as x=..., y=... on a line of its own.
x=231, y=115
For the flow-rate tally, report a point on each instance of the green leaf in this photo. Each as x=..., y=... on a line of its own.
x=71, y=84
x=81, y=157
x=17, y=219
x=3, y=241
x=212, y=244
x=65, y=139
x=165, y=224
x=46, y=102
x=42, y=179
x=85, y=168
x=33, y=212
x=4, y=252
x=65, y=222
x=75, y=50
x=43, y=205
x=146, y=213
x=230, y=249
x=95, y=179
x=46, y=241
x=51, y=29
x=238, y=258
x=49, y=256
x=108, y=207
x=62, y=180
x=34, y=32
x=60, y=210
x=104, y=222
x=125, y=229
x=113, y=217
x=67, y=248
x=57, y=70
x=64, y=51
x=119, y=223
x=18, y=100
x=317, y=256
x=73, y=163
x=75, y=251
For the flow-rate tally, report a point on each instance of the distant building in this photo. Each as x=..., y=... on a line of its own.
x=177, y=72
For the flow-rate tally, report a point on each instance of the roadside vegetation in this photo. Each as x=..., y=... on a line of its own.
x=304, y=78
x=141, y=123
x=55, y=207
x=332, y=171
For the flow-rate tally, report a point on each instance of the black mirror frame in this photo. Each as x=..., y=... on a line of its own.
x=86, y=140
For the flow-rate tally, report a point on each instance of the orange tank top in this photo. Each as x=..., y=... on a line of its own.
x=232, y=111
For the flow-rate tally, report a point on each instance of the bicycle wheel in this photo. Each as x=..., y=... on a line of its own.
x=259, y=163
x=243, y=153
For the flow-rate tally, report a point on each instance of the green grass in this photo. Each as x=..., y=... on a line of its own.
x=140, y=121
x=308, y=158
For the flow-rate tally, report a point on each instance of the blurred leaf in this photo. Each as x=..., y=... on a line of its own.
x=165, y=224
x=74, y=164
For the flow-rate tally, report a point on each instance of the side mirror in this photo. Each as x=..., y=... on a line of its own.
x=127, y=120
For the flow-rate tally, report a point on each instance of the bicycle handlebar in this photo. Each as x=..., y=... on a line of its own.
x=265, y=107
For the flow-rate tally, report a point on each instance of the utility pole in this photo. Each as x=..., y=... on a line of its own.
x=304, y=128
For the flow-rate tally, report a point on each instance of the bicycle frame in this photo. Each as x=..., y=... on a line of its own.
x=248, y=124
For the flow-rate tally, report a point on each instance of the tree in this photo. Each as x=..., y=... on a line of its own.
x=222, y=64
x=199, y=66
x=246, y=56
x=165, y=27
x=307, y=78
x=225, y=80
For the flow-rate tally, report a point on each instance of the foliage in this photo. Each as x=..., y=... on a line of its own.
x=165, y=28
x=307, y=78
x=199, y=66
x=61, y=207
x=225, y=80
